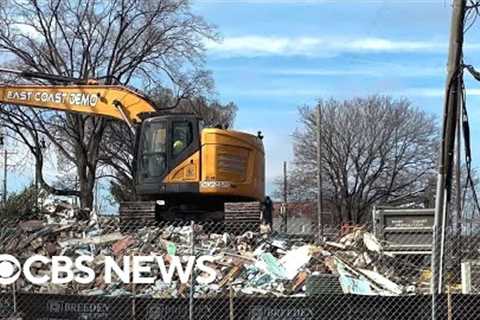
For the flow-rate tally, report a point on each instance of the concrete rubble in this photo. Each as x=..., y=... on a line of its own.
x=270, y=264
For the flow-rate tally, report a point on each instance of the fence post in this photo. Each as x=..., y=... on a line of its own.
x=192, y=283
x=134, y=300
x=230, y=299
x=14, y=296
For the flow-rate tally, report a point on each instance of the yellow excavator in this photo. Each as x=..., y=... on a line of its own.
x=182, y=172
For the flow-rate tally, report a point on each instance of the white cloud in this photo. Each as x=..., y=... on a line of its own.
x=473, y=92
x=432, y=92
x=27, y=29
x=380, y=70
x=379, y=44
x=303, y=2
x=366, y=68
x=318, y=46
x=422, y=92
x=277, y=92
x=312, y=93
x=263, y=1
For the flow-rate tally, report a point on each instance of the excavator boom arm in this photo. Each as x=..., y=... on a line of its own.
x=112, y=101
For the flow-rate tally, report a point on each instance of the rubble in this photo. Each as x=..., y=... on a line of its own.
x=248, y=264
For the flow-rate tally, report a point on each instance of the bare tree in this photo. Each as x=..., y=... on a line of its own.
x=376, y=150
x=149, y=41
x=211, y=112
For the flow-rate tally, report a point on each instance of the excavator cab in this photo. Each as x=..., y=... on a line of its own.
x=163, y=143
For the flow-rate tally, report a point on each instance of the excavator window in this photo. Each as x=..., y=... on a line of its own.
x=154, y=157
x=182, y=136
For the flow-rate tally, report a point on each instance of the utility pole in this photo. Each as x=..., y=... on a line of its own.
x=5, y=160
x=445, y=166
x=36, y=186
x=3, y=143
x=458, y=183
x=319, y=175
x=39, y=149
x=285, y=197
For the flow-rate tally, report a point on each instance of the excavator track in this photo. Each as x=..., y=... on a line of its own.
x=238, y=217
x=242, y=216
x=137, y=214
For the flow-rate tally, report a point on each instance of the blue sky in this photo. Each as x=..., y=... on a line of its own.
x=277, y=55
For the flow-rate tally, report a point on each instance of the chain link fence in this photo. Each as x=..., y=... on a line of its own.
x=203, y=271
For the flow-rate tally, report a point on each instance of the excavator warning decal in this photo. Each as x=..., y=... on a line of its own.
x=215, y=184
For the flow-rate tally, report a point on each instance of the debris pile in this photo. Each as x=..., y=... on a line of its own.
x=248, y=264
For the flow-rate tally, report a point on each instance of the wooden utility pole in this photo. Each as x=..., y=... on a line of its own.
x=5, y=164
x=319, y=175
x=285, y=197
x=6, y=154
x=445, y=166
